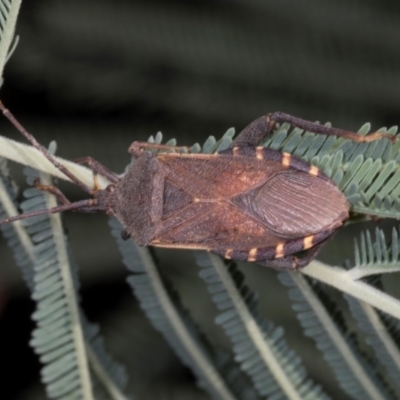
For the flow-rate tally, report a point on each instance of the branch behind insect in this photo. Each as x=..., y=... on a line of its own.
x=250, y=136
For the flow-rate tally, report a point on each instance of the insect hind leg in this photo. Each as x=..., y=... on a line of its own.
x=254, y=133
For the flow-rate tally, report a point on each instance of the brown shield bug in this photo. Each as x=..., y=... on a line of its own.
x=244, y=203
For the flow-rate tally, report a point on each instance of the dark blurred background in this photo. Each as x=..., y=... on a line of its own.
x=97, y=75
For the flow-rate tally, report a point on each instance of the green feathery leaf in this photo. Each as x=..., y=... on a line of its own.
x=67, y=370
x=258, y=344
x=163, y=308
x=322, y=321
x=9, y=10
x=17, y=238
x=63, y=334
x=375, y=257
x=382, y=335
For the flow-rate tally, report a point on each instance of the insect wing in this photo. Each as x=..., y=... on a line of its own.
x=294, y=204
x=207, y=202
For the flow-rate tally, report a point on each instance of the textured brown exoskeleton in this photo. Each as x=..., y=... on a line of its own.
x=244, y=203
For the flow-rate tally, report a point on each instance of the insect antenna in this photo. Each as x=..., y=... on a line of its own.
x=7, y=113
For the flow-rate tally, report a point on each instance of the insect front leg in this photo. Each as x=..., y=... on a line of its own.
x=254, y=133
x=98, y=168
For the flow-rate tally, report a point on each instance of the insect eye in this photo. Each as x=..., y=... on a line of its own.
x=110, y=188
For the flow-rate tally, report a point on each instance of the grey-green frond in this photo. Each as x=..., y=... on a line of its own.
x=215, y=374
x=17, y=238
x=322, y=321
x=108, y=376
x=382, y=335
x=211, y=145
x=63, y=336
x=259, y=346
x=375, y=256
x=313, y=147
x=60, y=347
x=9, y=10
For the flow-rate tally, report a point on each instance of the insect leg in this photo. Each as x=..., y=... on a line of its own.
x=254, y=133
x=136, y=148
x=53, y=190
x=99, y=168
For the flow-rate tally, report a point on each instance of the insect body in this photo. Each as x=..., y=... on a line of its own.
x=244, y=203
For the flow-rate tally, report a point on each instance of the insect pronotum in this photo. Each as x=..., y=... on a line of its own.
x=244, y=203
